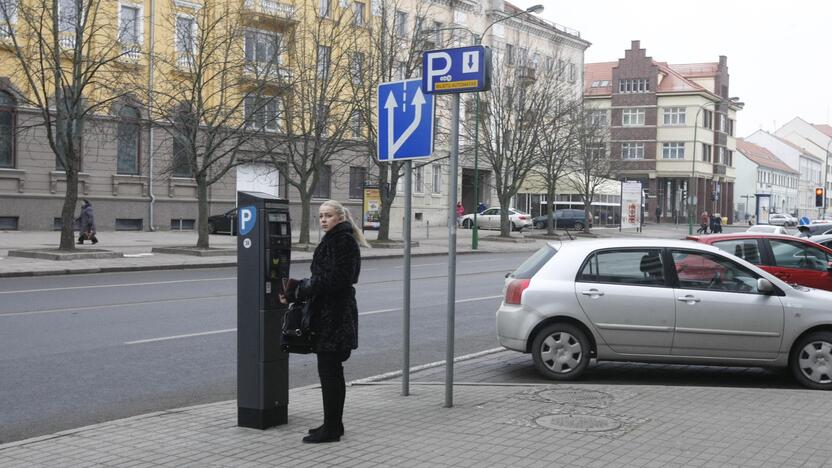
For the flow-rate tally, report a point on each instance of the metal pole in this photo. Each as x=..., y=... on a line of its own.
x=475, y=238
x=449, y=355
x=408, y=188
x=693, y=190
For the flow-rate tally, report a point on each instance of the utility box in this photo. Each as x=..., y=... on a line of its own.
x=264, y=244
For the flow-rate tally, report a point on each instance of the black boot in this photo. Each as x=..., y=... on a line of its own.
x=316, y=429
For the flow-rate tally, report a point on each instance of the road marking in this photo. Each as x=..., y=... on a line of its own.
x=106, y=306
x=98, y=286
x=227, y=330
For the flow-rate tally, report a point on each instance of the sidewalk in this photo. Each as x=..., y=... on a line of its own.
x=500, y=418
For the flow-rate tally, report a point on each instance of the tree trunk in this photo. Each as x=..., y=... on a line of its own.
x=387, y=197
x=202, y=240
x=505, y=224
x=305, y=201
x=551, y=222
x=68, y=210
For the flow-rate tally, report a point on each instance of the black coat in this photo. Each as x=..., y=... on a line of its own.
x=336, y=265
x=87, y=218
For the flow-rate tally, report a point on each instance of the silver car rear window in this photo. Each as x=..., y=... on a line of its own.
x=534, y=263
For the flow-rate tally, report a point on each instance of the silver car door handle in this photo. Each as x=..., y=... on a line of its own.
x=689, y=299
x=592, y=292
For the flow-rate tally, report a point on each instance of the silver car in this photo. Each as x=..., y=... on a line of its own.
x=490, y=219
x=665, y=301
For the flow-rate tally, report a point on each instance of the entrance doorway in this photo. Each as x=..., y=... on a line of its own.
x=470, y=200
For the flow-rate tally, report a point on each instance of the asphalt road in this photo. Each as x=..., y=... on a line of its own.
x=80, y=349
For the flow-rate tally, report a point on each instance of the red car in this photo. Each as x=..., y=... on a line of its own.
x=792, y=259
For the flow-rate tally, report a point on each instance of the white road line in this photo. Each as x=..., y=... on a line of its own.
x=228, y=330
x=109, y=306
x=98, y=286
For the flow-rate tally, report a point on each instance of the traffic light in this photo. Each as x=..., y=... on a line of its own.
x=819, y=197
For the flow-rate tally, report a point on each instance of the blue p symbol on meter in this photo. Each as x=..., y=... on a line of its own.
x=247, y=218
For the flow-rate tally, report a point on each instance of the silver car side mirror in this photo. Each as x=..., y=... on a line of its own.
x=764, y=286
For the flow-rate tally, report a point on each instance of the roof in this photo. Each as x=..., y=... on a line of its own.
x=596, y=72
x=825, y=129
x=762, y=157
x=677, y=78
x=802, y=150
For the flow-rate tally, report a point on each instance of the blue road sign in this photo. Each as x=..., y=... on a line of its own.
x=459, y=70
x=405, y=121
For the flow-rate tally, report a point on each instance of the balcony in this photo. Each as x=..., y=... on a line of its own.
x=526, y=73
x=719, y=169
x=271, y=9
x=130, y=53
x=268, y=72
x=66, y=39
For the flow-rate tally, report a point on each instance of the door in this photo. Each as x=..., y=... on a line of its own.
x=802, y=263
x=490, y=218
x=719, y=312
x=625, y=296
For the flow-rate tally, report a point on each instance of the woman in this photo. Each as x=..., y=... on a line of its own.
x=335, y=267
x=460, y=210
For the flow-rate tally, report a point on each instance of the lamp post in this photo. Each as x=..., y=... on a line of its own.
x=477, y=41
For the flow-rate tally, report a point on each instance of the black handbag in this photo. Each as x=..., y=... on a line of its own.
x=297, y=335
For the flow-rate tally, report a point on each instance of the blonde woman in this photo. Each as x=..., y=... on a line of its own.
x=335, y=267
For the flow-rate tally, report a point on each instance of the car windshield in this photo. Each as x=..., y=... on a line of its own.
x=534, y=263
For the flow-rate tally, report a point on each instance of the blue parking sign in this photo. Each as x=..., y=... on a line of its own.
x=458, y=70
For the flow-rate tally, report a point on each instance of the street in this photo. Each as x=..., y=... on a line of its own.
x=81, y=349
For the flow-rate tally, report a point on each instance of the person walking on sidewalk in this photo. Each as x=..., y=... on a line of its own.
x=460, y=210
x=335, y=267
x=87, y=224
x=658, y=215
x=703, y=224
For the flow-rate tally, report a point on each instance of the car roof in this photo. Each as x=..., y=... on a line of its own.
x=741, y=235
x=595, y=244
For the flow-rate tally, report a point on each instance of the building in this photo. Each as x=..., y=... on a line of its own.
x=671, y=128
x=760, y=172
x=809, y=168
x=817, y=140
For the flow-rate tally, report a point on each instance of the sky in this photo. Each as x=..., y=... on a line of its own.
x=777, y=51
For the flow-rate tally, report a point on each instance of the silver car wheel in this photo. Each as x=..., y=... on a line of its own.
x=561, y=352
x=815, y=362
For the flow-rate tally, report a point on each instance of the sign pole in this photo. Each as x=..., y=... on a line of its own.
x=408, y=188
x=449, y=355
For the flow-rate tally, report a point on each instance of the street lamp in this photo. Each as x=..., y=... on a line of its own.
x=693, y=199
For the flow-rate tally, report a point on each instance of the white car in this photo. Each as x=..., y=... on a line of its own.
x=490, y=219
x=782, y=219
x=769, y=229
x=665, y=301
x=824, y=240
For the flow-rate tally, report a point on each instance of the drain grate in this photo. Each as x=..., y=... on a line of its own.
x=577, y=397
x=577, y=422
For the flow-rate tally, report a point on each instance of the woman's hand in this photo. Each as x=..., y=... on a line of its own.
x=282, y=299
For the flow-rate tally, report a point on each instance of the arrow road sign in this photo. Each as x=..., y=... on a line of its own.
x=459, y=70
x=405, y=121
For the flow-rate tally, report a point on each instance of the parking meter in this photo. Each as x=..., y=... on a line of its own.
x=264, y=242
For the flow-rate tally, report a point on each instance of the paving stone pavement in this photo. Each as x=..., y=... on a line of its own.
x=496, y=421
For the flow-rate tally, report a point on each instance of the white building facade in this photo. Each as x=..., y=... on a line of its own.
x=760, y=172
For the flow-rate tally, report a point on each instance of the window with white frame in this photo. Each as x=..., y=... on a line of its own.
x=356, y=124
x=674, y=150
x=598, y=118
x=67, y=15
x=262, y=112
x=720, y=122
x=706, y=152
x=8, y=17
x=419, y=179
x=357, y=66
x=572, y=73
x=185, y=39
x=400, y=23
x=632, y=117
x=130, y=26
x=437, y=34
x=436, y=186
x=323, y=61
x=632, y=151
x=322, y=188
x=325, y=8
x=675, y=115
x=263, y=49
x=358, y=13
x=509, y=54
x=639, y=85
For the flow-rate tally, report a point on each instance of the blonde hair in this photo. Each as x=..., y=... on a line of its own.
x=345, y=215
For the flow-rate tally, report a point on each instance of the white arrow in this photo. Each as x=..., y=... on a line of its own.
x=392, y=143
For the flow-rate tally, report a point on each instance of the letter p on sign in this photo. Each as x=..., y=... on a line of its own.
x=437, y=72
x=247, y=220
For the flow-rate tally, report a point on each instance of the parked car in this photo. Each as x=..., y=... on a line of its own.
x=811, y=230
x=628, y=300
x=792, y=259
x=565, y=219
x=490, y=219
x=782, y=219
x=824, y=240
x=768, y=229
x=225, y=223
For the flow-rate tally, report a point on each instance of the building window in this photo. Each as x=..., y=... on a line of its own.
x=632, y=151
x=729, y=158
x=8, y=120
x=436, y=186
x=358, y=14
x=706, y=152
x=8, y=17
x=358, y=176
x=720, y=155
x=674, y=115
x=675, y=150
x=720, y=123
x=399, y=23
x=325, y=8
x=181, y=160
x=128, y=141
x=598, y=118
x=130, y=27
x=730, y=127
x=632, y=117
x=356, y=124
x=323, y=61
x=185, y=40
x=600, y=83
x=437, y=34
x=67, y=17
x=262, y=112
x=509, y=54
x=263, y=50
x=419, y=179
x=640, y=85
x=708, y=119
x=357, y=66
x=572, y=74
x=321, y=189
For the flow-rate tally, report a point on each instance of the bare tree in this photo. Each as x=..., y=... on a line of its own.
x=593, y=165
x=66, y=65
x=320, y=112
x=219, y=94
x=511, y=126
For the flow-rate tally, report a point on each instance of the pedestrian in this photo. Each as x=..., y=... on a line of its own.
x=716, y=227
x=330, y=296
x=86, y=223
x=703, y=224
x=752, y=220
x=460, y=210
x=481, y=207
x=589, y=219
x=658, y=214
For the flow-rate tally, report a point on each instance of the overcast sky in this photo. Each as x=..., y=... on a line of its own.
x=778, y=51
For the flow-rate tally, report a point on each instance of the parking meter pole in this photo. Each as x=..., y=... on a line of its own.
x=264, y=243
x=475, y=237
x=454, y=169
x=408, y=193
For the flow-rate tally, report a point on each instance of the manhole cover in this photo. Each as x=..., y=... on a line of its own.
x=577, y=422
x=575, y=397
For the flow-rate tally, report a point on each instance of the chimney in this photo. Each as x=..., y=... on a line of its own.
x=635, y=45
x=723, y=61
